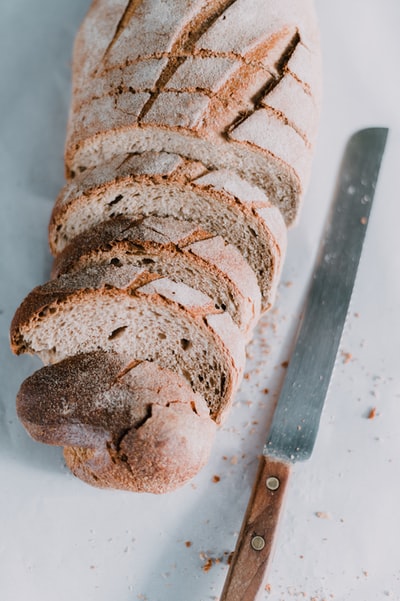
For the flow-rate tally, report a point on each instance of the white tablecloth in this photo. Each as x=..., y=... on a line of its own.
x=62, y=540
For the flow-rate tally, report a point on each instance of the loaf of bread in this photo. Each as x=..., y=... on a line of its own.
x=189, y=147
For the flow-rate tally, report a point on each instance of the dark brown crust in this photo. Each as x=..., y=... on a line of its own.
x=136, y=419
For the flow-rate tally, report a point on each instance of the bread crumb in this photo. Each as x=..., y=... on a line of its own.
x=268, y=588
x=363, y=220
x=234, y=460
x=265, y=390
x=207, y=565
x=284, y=364
x=323, y=515
x=216, y=478
x=372, y=413
x=188, y=543
x=347, y=357
x=209, y=561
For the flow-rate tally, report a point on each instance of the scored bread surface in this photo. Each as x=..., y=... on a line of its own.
x=206, y=81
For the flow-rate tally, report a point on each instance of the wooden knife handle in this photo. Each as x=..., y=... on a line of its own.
x=247, y=572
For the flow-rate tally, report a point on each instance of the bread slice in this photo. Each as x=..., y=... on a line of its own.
x=125, y=424
x=175, y=249
x=126, y=310
x=205, y=80
x=162, y=185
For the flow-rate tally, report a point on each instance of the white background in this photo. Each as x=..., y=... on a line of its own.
x=62, y=540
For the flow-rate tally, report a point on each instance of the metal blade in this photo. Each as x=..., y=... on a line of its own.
x=297, y=415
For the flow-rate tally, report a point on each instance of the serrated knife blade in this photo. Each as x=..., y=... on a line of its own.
x=297, y=415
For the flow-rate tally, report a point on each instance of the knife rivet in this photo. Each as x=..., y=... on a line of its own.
x=272, y=483
x=258, y=543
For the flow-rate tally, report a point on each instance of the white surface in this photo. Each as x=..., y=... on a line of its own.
x=62, y=540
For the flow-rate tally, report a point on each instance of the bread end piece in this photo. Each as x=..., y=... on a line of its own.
x=125, y=424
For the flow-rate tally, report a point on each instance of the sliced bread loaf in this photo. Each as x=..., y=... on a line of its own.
x=176, y=249
x=220, y=202
x=127, y=310
x=188, y=151
x=125, y=424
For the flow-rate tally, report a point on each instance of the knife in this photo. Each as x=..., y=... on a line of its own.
x=297, y=415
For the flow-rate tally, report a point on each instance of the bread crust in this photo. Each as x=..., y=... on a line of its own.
x=124, y=424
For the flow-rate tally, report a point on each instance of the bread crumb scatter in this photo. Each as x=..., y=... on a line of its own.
x=347, y=357
x=210, y=561
x=216, y=478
